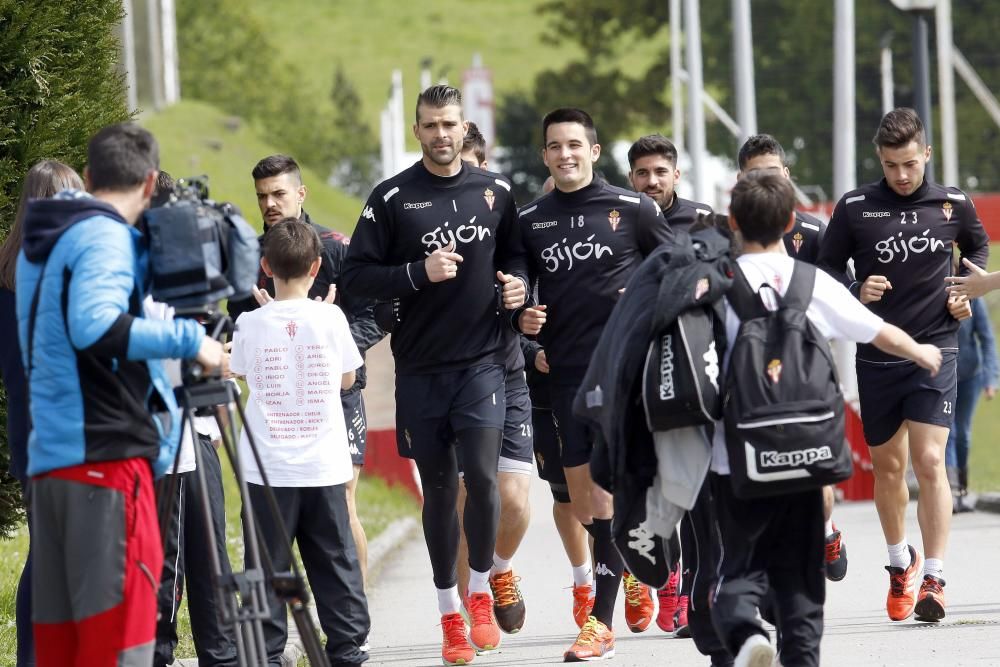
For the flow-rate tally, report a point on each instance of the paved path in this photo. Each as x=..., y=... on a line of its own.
x=405, y=620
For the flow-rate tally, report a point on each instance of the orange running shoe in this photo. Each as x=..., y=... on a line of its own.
x=455, y=647
x=484, y=634
x=903, y=587
x=508, y=604
x=595, y=642
x=639, y=605
x=930, y=600
x=583, y=603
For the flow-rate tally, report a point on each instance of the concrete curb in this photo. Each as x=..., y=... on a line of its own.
x=379, y=550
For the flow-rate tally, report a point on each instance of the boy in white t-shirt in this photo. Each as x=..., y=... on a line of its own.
x=296, y=355
x=777, y=543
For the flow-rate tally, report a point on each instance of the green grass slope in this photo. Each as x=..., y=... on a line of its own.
x=196, y=138
x=373, y=37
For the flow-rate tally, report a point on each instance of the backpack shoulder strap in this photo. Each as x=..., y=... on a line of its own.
x=800, y=288
x=743, y=300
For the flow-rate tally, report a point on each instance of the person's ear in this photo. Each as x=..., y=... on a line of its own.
x=790, y=224
x=314, y=267
x=266, y=267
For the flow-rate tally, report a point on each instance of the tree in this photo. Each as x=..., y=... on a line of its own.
x=793, y=62
x=58, y=86
x=353, y=147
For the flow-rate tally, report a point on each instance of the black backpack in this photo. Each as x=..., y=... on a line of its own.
x=682, y=373
x=783, y=407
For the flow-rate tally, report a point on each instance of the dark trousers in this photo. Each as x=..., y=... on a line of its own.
x=702, y=551
x=22, y=602
x=771, y=545
x=316, y=518
x=186, y=560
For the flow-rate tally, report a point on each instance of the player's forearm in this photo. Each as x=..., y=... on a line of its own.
x=893, y=340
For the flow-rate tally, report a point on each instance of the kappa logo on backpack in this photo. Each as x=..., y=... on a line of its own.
x=783, y=408
x=681, y=376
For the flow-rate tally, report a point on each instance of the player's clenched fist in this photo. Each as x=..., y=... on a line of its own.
x=512, y=290
x=530, y=322
x=442, y=264
x=874, y=288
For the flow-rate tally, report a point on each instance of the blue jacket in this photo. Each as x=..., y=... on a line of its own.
x=98, y=391
x=977, y=348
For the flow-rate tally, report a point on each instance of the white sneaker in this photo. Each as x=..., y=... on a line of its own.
x=364, y=646
x=755, y=652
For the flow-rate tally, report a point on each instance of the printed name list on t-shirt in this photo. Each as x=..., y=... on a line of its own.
x=287, y=393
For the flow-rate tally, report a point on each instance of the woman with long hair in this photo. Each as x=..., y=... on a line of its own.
x=44, y=179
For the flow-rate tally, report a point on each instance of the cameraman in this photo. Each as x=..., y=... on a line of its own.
x=104, y=415
x=280, y=195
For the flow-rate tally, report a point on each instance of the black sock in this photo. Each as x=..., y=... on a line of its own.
x=608, y=568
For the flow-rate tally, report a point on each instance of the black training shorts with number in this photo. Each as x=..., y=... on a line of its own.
x=432, y=407
x=357, y=425
x=895, y=391
x=516, y=452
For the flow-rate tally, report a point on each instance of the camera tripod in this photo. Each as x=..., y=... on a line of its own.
x=242, y=596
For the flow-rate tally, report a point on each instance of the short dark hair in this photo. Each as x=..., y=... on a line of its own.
x=164, y=187
x=276, y=165
x=475, y=142
x=762, y=204
x=569, y=115
x=119, y=157
x=290, y=247
x=652, y=144
x=438, y=97
x=898, y=128
x=759, y=144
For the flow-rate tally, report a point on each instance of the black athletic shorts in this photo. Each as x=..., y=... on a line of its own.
x=577, y=437
x=431, y=408
x=357, y=425
x=516, y=452
x=894, y=391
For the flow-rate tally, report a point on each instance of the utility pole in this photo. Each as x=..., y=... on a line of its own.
x=676, y=67
x=844, y=157
x=696, y=113
x=746, y=101
x=946, y=94
x=922, y=80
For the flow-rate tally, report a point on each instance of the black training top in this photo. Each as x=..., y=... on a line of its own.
x=456, y=323
x=805, y=238
x=909, y=241
x=582, y=247
x=682, y=213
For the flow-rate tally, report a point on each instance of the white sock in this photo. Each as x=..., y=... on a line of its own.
x=501, y=565
x=934, y=567
x=448, y=602
x=583, y=575
x=830, y=530
x=899, y=554
x=479, y=582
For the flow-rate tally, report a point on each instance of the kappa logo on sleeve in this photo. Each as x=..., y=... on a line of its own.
x=368, y=214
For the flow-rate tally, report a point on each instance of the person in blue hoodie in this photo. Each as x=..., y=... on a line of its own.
x=104, y=419
x=978, y=372
x=44, y=179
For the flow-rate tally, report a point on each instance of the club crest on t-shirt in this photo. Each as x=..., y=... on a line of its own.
x=614, y=217
x=946, y=208
x=489, y=196
x=291, y=328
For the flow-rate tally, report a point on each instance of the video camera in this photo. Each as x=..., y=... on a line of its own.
x=200, y=251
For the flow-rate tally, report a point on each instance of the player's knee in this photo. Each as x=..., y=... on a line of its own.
x=928, y=464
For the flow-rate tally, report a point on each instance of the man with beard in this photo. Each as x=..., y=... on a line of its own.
x=652, y=162
x=434, y=237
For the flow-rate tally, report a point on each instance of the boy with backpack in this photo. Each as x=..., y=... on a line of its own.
x=775, y=452
x=297, y=355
